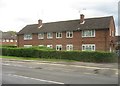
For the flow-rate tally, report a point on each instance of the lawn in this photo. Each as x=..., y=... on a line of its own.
x=34, y=58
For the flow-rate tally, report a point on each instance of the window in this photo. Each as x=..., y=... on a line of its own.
x=49, y=35
x=110, y=49
x=69, y=34
x=88, y=33
x=3, y=40
x=58, y=47
x=40, y=45
x=7, y=40
x=41, y=36
x=58, y=35
x=69, y=47
x=11, y=40
x=27, y=46
x=49, y=46
x=112, y=33
x=27, y=36
x=88, y=47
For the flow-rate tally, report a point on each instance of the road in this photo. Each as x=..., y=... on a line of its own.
x=29, y=73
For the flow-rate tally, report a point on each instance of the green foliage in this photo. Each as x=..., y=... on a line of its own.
x=47, y=53
x=12, y=46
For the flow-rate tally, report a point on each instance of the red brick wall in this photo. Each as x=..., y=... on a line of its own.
x=14, y=43
x=101, y=40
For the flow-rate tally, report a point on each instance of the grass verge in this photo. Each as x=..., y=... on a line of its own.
x=38, y=59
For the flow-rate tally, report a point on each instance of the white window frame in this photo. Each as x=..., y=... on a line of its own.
x=58, y=47
x=84, y=33
x=41, y=45
x=48, y=35
x=110, y=49
x=7, y=40
x=112, y=33
x=88, y=45
x=27, y=46
x=50, y=46
x=11, y=40
x=69, y=47
x=58, y=34
x=3, y=40
x=68, y=34
x=40, y=35
x=27, y=36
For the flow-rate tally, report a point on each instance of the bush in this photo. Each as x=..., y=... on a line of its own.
x=11, y=46
x=43, y=52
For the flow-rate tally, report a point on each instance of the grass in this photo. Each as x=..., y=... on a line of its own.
x=34, y=58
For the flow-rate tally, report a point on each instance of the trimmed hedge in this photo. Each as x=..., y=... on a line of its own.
x=42, y=52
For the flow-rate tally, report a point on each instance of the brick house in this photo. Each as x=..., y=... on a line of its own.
x=118, y=42
x=94, y=34
x=8, y=38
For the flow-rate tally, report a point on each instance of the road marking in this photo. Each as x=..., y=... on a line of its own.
x=43, y=80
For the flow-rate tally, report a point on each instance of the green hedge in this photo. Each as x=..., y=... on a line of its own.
x=43, y=52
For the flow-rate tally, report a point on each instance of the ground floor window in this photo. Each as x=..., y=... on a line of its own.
x=40, y=45
x=58, y=47
x=50, y=46
x=27, y=46
x=88, y=47
x=69, y=47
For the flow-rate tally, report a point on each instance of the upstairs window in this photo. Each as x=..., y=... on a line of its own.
x=88, y=47
x=58, y=47
x=58, y=35
x=49, y=35
x=88, y=33
x=41, y=36
x=69, y=34
x=27, y=36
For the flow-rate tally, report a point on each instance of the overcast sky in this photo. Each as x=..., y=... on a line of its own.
x=16, y=14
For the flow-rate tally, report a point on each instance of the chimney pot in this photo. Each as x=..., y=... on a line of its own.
x=82, y=18
x=39, y=22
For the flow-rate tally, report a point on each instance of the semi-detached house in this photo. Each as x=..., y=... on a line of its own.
x=92, y=34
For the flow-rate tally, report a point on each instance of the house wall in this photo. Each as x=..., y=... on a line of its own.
x=101, y=40
x=112, y=38
x=14, y=43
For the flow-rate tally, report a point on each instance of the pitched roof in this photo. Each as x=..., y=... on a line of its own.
x=7, y=35
x=71, y=25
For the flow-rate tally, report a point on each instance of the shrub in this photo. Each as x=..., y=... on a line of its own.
x=43, y=52
x=11, y=46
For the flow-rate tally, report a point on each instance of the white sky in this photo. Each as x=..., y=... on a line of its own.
x=16, y=14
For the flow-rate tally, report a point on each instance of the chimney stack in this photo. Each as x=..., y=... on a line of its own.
x=39, y=22
x=82, y=19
